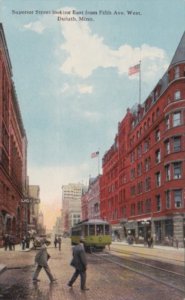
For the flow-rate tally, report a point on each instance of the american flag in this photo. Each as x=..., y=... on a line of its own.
x=133, y=70
x=94, y=154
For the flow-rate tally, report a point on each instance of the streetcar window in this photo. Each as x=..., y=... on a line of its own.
x=91, y=230
x=107, y=230
x=99, y=229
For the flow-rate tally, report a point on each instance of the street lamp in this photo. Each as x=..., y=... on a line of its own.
x=145, y=223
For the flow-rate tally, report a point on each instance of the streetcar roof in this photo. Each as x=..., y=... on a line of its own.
x=93, y=221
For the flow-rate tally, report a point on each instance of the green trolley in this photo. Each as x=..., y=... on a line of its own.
x=96, y=234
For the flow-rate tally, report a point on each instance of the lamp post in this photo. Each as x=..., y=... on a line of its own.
x=145, y=223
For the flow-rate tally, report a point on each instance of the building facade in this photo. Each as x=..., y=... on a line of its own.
x=34, y=205
x=71, y=205
x=142, y=188
x=91, y=200
x=13, y=150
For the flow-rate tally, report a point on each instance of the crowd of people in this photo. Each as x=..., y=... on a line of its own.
x=9, y=242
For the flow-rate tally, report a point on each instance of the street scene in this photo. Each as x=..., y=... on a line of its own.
x=108, y=274
x=92, y=148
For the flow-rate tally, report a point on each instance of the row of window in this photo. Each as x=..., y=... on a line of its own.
x=171, y=145
x=173, y=120
x=173, y=198
x=172, y=171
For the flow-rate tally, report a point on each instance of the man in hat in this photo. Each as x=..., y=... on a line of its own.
x=79, y=262
x=41, y=259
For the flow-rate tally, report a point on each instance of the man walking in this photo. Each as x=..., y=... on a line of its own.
x=59, y=243
x=79, y=262
x=41, y=259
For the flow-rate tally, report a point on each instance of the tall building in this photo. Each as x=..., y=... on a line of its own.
x=142, y=189
x=71, y=205
x=34, y=203
x=13, y=150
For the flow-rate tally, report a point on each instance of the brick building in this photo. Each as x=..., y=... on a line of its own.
x=142, y=188
x=90, y=200
x=13, y=149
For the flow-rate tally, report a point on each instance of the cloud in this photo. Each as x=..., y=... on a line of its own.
x=85, y=89
x=37, y=26
x=85, y=52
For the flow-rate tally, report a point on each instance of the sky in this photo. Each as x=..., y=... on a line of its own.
x=72, y=82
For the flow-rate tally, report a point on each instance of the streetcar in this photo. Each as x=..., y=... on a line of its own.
x=95, y=233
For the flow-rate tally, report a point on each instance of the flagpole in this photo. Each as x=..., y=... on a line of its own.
x=98, y=163
x=140, y=82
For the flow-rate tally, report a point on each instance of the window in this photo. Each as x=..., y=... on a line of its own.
x=133, y=208
x=139, y=169
x=177, y=170
x=158, y=202
x=147, y=164
x=140, y=207
x=177, y=95
x=167, y=197
x=176, y=119
x=167, y=147
x=139, y=151
x=167, y=122
x=146, y=145
x=148, y=205
x=178, y=198
x=177, y=72
x=157, y=156
x=147, y=184
x=157, y=135
x=177, y=143
x=158, y=112
x=158, y=179
x=132, y=174
x=133, y=190
x=167, y=172
x=139, y=187
x=132, y=157
x=153, y=117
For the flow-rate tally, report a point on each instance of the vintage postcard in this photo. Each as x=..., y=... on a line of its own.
x=92, y=147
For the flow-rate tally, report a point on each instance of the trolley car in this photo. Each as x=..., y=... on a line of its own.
x=96, y=234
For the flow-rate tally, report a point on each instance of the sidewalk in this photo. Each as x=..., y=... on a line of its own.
x=18, y=248
x=167, y=248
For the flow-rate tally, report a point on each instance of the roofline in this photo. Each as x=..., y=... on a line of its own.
x=5, y=48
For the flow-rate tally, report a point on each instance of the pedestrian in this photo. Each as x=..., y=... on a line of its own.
x=41, y=259
x=55, y=241
x=6, y=241
x=150, y=241
x=79, y=262
x=23, y=242
x=59, y=243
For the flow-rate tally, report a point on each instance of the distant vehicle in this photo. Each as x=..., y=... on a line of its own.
x=39, y=240
x=96, y=234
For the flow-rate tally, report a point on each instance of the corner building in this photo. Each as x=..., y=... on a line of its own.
x=142, y=188
x=13, y=150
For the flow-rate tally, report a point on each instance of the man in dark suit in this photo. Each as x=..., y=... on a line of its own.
x=79, y=262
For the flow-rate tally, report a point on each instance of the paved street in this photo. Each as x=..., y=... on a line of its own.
x=104, y=279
